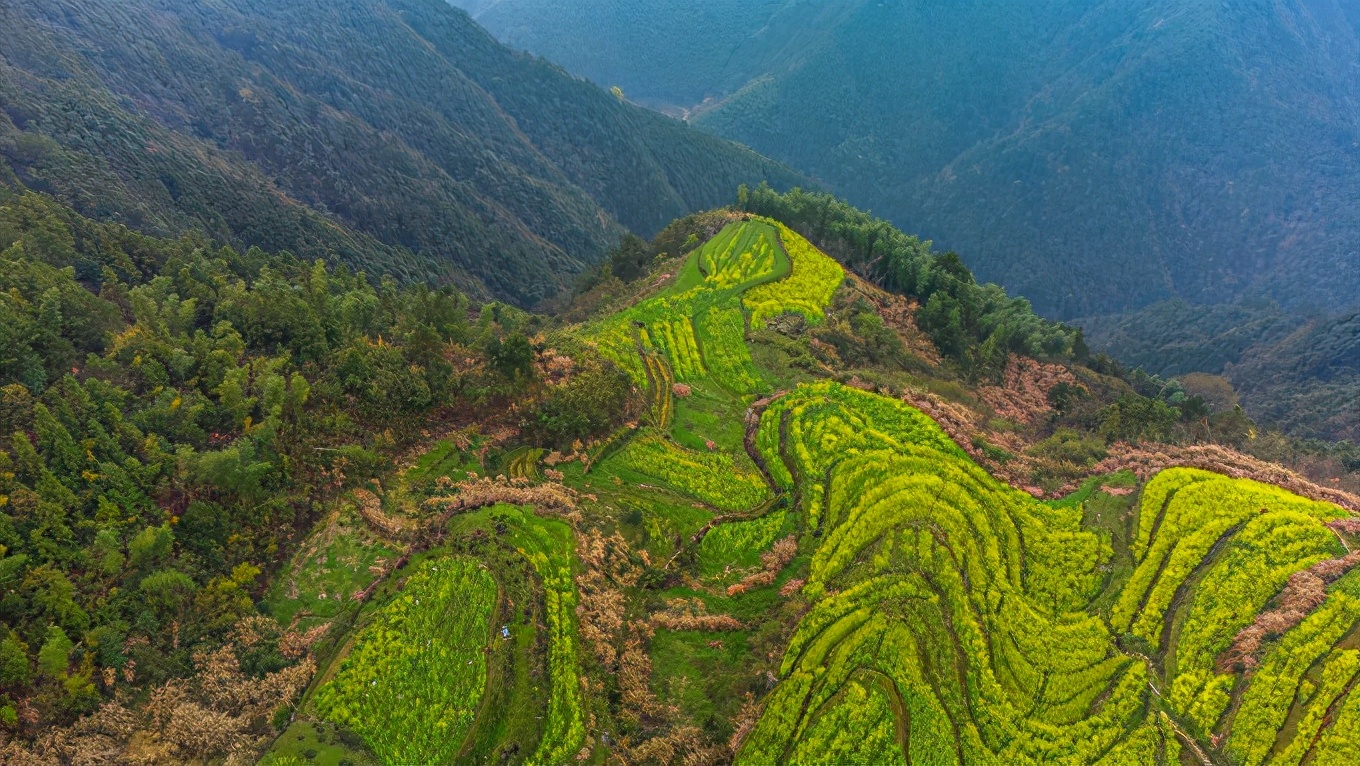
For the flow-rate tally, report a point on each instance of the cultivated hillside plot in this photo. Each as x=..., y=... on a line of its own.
x=970, y=606
x=916, y=609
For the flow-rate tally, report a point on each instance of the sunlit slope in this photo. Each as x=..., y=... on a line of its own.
x=963, y=604
x=926, y=612
x=425, y=647
x=696, y=329
x=694, y=334
x=958, y=620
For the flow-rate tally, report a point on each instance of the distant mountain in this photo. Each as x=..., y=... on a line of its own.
x=396, y=135
x=1300, y=373
x=1095, y=156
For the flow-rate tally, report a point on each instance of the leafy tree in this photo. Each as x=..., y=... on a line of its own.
x=630, y=259
x=942, y=320
x=20, y=364
x=225, y=600
x=236, y=470
x=1135, y=418
x=106, y=552
x=168, y=592
x=151, y=547
x=53, y=597
x=591, y=403
x=16, y=405
x=54, y=658
x=1063, y=394
x=14, y=663
x=512, y=359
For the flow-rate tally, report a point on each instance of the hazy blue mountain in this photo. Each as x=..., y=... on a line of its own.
x=1298, y=372
x=394, y=134
x=1093, y=155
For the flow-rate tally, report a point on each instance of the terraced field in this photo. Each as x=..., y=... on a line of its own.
x=756, y=268
x=812, y=573
x=694, y=333
x=970, y=599
x=420, y=667
x=808, y=289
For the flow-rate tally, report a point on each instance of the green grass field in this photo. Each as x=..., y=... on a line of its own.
x=340, y=559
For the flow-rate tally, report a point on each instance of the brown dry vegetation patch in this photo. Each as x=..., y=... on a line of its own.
x=609, y=568
x=218, y=714
x=963, y=425
x=1022, y=396
x=771, y=563
x=371, y=511
x=899, y=313
x=1304, y=592
x=475, y=493
x=1145, y=461
x=692, y=614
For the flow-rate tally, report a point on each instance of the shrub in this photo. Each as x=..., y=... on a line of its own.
x=1068, y=446
x=590, y=404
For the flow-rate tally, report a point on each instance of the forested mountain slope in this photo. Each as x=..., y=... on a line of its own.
x=790, y=487
x=174, y=414
x=395, y=135
x=1297, y=372
x=1094, y=156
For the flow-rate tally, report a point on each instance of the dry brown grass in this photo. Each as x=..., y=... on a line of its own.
x=1304, y=592
x=772, y=561
x=219, y=714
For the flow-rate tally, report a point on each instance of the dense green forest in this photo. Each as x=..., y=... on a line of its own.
x=1093, y=156
x=396, y=136
x=1300, y=373
x=175, y=416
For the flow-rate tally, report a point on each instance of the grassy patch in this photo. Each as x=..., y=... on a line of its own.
x=445, y=458
x=711, y=415
x=1110, y=517
x=712, y=477
x=699, y=672
x=739, y=544
x=318, y=743
x=340, y=559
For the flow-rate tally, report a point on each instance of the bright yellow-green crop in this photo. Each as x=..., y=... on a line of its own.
x=712, y=477
x=547, y=545
x=955, y=619
x=972, y=598
x=701, y=330
x=806, y=291
x=740, y=253
x=412, y=682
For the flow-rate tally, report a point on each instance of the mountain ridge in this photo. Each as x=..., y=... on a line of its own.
x=1137, y=151
x=394, y=134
